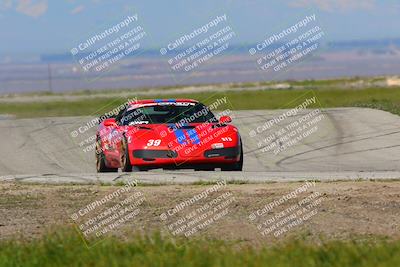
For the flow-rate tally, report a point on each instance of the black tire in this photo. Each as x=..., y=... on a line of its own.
x=126, y=165
x=101, y=161
x=237, y=166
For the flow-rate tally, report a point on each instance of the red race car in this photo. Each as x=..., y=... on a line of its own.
x=168, y=134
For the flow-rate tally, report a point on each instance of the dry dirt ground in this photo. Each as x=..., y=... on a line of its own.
x=349, y=209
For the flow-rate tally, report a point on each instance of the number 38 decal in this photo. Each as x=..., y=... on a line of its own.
x=153, y=142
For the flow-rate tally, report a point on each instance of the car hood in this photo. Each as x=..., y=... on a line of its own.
x=195, y=136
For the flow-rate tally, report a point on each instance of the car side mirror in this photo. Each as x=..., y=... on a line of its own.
x=110, y=122
x=225, y=119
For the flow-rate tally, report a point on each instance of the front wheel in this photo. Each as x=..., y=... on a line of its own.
x=126, y=165
x=237, y=166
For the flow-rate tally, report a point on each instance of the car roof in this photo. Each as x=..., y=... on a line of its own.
x=150, y=101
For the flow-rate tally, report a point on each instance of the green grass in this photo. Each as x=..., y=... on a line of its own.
x=387, y=99
x=65, y=248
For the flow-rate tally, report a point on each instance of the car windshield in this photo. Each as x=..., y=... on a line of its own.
x=179, y=112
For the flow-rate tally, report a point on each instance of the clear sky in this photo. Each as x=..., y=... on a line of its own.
x=54, y=26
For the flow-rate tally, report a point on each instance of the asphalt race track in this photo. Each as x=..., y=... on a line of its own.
x=344, y=143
